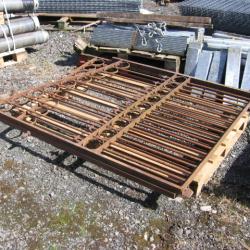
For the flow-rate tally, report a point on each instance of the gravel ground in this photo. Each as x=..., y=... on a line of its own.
x=169, y=9
x=51, y=200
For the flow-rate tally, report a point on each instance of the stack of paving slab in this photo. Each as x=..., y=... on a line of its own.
x=221, y=58
x=227, y=15
x=155, y=38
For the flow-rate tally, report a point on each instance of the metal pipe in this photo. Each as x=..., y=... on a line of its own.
x=20, y=25
x=19, y=5
x=24, y=40
x=226, y=35
x=227, y=42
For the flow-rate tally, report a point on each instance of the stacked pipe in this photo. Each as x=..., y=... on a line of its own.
x=20, y=32
x=88, y=6
x=151, y=38
x=227, y=15
x=15, y=6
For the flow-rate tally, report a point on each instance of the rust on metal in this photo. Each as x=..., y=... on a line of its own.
x=150, y=125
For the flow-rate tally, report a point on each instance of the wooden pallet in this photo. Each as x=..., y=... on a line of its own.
x=63, y=20
x=219, y=154
x=63, y=23
x=171, y=62
x=13, y=57
x=2, y=21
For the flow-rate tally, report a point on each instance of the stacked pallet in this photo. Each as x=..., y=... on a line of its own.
x=222, y=58
x=154, y=40
x=154, y=37
x=17, y=33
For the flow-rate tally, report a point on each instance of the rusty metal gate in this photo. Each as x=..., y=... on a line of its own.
x=150, y=125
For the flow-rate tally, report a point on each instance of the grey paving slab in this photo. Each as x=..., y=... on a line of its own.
x=233, y=67
x=245, y=84
x=192, y=57
x=203, y=65
x=218, y=66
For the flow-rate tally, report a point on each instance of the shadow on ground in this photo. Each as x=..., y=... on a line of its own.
x=236, y=183
x=151, y=197
x=69, y=59
x=31, y=50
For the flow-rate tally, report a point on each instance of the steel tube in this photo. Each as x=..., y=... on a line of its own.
x=14, y=6
x=20, y=25
x=24, y=40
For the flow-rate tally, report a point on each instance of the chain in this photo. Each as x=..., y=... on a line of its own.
x=152, y=31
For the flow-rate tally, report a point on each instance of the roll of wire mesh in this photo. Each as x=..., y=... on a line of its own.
x=14, y=6
x=20, y=25
x=23, y=40
x=227, y=15
x=113, y=36
x=21, y=32
x=141, y=38
x=88, y=6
